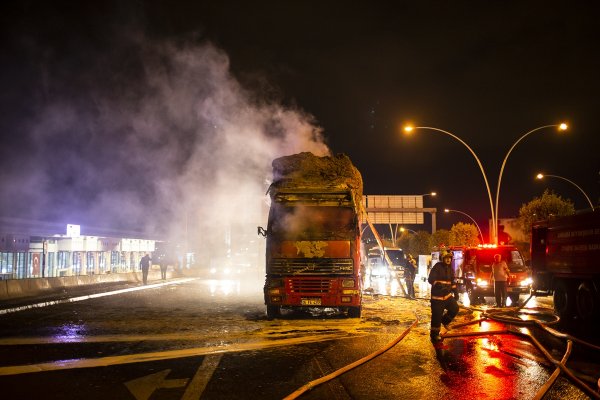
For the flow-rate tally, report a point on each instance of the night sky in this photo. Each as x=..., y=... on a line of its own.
x=106, y=106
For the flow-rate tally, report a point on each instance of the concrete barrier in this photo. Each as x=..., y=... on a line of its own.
x=11, y=289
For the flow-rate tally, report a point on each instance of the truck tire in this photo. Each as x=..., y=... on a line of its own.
x=514, y=299
x=273, y=311
x=354, y=312
x=587, y=302
x=564, y=299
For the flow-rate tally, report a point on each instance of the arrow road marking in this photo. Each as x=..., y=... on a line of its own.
x=142, y=388
x=202, y=377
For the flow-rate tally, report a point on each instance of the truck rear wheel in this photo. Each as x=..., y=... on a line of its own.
x=354, y=312
x=273, y=311
x=564, y=299
x=587, y=302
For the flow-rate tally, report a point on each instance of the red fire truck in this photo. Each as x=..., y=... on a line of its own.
x=473, y=267
x=565, y=258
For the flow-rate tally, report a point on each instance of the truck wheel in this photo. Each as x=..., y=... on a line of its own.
x=564, y=299
x=273, y=311
x=587, y=302
x=514, y=299
x=354, y=312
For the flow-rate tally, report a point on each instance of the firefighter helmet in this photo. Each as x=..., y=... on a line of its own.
x=447, y=254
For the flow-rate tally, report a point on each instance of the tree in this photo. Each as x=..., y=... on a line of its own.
x=420, y=243
x=462, y=234
x=440, y=238
x=541, y=208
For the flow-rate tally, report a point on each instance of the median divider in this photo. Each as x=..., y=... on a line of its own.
x=15, y=289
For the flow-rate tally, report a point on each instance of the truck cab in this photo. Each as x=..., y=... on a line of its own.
x=476, y=267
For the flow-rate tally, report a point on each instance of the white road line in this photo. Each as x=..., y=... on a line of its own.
x=202, y=377
x=165, y=355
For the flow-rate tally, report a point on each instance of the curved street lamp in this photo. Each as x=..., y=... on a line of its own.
x=447, y=210
x=432, y=194
x=402, y=229
x=541, y=176
x=409, y=129
x=494, y=208
x=561, y=127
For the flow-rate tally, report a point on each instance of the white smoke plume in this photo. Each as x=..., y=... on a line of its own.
x=159, y=139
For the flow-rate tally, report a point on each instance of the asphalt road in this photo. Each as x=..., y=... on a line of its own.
x=210, y=339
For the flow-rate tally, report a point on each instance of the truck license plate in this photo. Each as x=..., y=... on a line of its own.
x=310, y=302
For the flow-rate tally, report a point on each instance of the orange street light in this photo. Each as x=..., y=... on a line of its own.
x=561, y=127
x=409, y=128
x=541, y=176
x=447, y=210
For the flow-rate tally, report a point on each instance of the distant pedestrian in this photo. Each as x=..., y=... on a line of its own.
x=500, y=274
x=145, y=266
x=163, y=269
x=443, y=301
x=410, y=270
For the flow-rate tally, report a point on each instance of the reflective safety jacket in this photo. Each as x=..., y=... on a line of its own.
x=441, y=278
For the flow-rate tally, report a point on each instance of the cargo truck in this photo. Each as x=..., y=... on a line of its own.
x=565, y=259
x=313, y=235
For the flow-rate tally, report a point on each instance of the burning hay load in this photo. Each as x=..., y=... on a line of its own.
x=305, y=170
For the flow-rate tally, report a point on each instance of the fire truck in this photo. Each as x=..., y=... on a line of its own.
x=473, y=267
x=565, y=259
x=313, y=235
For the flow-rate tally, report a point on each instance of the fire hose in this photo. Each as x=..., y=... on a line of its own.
x=505, y=317
x=310, y=385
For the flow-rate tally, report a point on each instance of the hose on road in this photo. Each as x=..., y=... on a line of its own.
x=508, y=316
x=310, y=385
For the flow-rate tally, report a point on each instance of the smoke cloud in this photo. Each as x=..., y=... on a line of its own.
x=156, y=138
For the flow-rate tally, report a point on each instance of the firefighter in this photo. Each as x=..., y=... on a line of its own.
x=444, y=306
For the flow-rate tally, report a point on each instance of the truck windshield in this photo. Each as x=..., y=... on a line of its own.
x=312, y=222
x=512, y=257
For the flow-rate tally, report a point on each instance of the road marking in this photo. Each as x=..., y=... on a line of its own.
x=142, y=388
x=202, y=377
x=166, y=355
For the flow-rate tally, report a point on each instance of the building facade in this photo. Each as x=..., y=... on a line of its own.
x=24, y=256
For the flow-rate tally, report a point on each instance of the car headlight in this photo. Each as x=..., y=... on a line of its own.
x=348, y=283
x=272, y=283
x=482, y=282
x=527, y=282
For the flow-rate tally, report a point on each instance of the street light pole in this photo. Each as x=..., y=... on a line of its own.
x=541, y=176
x=402, y=229
x=561, y=127
x=447, y=210
x=409, y=129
